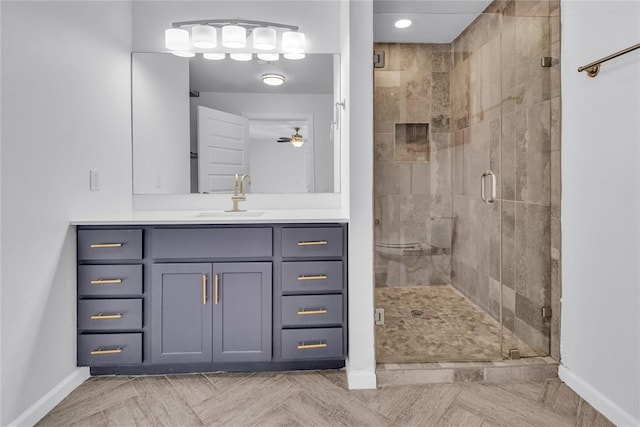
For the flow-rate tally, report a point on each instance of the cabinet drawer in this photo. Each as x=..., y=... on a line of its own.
x=109, y=244
x=109, y=314
x=320, y=343
x=311, y=242
x=312, y=310
x=109, y=280
x=212, y=243
x=312, y=277
x=109, y=349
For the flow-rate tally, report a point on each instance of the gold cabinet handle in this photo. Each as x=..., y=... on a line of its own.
x=314, y=243
x=106, y=245
x=101, y=351
x=106, y=282
x=101, y=316
x=304, y=312
x=319, y=277
x=204, y=289
x=310, y=346
x=215, y=290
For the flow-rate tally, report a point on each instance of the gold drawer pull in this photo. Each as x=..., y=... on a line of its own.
x=106, y=245
x=304, y=312
x=106, y=282
x=215, y=290
x=315, y=243
x=113, y=351
x=310, y=346
x=319, y=277
x=101, y=316
x=204, y=289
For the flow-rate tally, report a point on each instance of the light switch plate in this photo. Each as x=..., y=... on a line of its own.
x=94, y=180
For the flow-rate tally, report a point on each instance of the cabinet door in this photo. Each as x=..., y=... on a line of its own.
x=181, y=310
x=242, y=308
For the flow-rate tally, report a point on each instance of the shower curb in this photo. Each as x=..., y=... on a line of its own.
x=526, y=369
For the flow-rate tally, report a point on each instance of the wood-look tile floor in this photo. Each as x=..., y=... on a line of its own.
x=315, y=399
x=438, y=324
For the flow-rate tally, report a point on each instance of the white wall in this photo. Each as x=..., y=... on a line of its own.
x=359, y=100
x=320, y=106
x=600, y=338
x=160, y=102
x=65, y=109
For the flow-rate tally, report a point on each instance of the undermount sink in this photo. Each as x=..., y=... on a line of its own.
x=230, y=214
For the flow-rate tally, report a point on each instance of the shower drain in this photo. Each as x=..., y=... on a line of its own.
x=417, y=313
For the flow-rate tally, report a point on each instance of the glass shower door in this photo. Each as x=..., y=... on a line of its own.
x=530, y=95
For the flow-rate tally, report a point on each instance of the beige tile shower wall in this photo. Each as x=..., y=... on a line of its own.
x=413, y=189
x=505, y=115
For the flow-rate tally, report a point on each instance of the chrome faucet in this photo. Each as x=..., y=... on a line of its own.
x=238, y=184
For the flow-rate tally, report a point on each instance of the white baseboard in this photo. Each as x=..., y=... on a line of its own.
x=361, y=380
x=604, y=405
x=42, y=407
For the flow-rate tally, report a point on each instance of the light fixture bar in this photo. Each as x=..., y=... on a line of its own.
x=241, y=22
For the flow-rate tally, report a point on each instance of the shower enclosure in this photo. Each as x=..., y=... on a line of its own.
x=466, y=190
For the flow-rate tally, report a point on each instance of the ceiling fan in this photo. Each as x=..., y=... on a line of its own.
x=296, y=139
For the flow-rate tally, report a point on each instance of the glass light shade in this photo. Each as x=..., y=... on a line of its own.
x=293, y=42
x=176, y=39
x=402, y=23
x=184, y=53
x=241, y=56
x=294, y=56
x=264, y=38
x=273, y=79
x=234, y=36
x=297, y=141
x=213, y=56
x=204, y=37
x=268, y=56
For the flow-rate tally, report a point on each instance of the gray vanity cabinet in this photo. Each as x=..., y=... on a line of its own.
x=156, y=299
x=181, y=313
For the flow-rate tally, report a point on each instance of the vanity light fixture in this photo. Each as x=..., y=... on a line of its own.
x=264, y=38
x=294, y=56
x=273, y=79
x=204, y=37
x=269, y=56
x=403, y=23
x=233, y=35
x=241, y=56
x=212, y=56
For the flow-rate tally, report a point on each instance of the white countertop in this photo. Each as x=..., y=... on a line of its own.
x=219, y=217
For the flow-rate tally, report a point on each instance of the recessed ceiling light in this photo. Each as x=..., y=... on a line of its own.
x=403, y=23
x=273, y=79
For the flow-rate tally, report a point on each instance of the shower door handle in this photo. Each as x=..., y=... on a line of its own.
x=492, y=198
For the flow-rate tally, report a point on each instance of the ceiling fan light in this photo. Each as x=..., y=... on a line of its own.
x=293, y=42
x=264, y=38
x=294, y=56
x=273, y=79
x=234, y=36
x=268, y=56
x=204, y=36
x=297, y=142
x=176, y=39
x=214, y=56
x=241, y=56
x=184, y=53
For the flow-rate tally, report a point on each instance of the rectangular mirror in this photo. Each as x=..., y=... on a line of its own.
x=198, y=122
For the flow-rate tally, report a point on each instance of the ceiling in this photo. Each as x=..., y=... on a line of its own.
x=433, y=21
x=311, y=75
